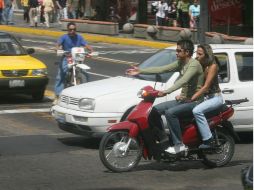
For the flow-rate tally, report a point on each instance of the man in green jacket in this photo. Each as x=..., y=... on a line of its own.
x=191, y=80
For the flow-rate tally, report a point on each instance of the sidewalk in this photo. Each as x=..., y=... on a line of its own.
x=22, y=27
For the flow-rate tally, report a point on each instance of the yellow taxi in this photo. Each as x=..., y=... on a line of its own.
x=20, y=72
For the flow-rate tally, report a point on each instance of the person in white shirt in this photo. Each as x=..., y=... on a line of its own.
x=162, y=8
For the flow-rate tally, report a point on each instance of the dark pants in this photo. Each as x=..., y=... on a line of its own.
x=172, y=110
x=161, y=21
x=185, y=20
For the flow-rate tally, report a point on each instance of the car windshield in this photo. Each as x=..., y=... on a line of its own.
x=10, y=46
x=164, y=57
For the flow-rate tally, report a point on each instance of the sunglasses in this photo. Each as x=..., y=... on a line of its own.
x=72, y=29
x=179, y=50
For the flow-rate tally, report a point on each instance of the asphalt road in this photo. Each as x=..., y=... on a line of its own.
x=36, y=155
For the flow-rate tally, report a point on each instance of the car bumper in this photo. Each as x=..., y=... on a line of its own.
x=29, y=85
x=84, y=123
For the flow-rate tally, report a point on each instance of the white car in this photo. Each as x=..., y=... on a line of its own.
x=90, y=108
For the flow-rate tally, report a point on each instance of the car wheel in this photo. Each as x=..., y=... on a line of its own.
x=38, y=96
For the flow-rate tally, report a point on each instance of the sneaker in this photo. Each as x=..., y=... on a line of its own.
x=207, y=144
x=176, y=149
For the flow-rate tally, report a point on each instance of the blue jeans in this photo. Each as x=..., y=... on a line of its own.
x=61, y=75
x=173, y=110
x=7, y=15
x=198, y=112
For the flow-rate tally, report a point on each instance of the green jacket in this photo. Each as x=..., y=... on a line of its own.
x=191, y=77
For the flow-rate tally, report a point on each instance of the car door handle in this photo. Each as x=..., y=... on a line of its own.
x=227, y=91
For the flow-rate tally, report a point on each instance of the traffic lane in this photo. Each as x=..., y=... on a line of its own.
x=80, y=168
x=35, y=152
x=100, y=69
x=112, y=51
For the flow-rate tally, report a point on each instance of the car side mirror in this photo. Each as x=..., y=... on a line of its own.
x=30, y=50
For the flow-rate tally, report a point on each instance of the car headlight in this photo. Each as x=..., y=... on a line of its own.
x=39, y=72
x=87, y=104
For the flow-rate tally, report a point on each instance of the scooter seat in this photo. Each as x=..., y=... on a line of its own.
x=188, y=117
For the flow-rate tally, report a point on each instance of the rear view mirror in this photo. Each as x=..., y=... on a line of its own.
x=30, y=50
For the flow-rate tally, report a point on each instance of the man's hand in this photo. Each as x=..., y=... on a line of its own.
x=161, y=94
x=89, y=48
x=133, y=71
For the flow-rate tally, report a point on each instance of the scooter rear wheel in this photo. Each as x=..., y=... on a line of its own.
x=114, y=155
x=223, y=152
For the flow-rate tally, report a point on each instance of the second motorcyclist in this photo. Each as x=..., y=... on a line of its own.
x=66, y=42
x=191, y=80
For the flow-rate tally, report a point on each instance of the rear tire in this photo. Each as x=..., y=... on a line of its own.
x=112, y=152
x=223, y=152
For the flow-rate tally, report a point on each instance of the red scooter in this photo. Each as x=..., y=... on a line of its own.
x=143, y=134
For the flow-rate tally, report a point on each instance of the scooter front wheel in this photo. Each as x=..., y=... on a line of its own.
x=119, y=152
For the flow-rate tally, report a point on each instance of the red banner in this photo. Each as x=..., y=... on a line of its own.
x=224, y=12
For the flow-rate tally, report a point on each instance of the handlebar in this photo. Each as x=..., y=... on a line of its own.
x=88, y=54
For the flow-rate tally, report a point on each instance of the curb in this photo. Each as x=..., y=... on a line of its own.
x=88, y=37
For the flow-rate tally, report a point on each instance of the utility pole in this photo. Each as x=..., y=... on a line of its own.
x=203, y=21
x=142, y=11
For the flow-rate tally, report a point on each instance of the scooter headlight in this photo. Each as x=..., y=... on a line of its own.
x=80, y=57
x=87, y=104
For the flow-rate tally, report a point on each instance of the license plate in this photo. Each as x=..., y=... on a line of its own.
x=16, y=83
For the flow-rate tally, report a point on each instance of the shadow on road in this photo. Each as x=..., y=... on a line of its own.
x=183, y=165
x=79, y=141
x=18, y=99
x=245, y=137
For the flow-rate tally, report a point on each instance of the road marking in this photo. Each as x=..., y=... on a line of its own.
x=51, y=50
x=50, y=134
x=114, y=60
x=24, y=111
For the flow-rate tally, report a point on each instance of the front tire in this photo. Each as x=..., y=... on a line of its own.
x=81, y=77
x=223, y=152
x=39, y=95
x=113, y=155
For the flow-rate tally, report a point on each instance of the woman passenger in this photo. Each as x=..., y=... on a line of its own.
x=211, y=91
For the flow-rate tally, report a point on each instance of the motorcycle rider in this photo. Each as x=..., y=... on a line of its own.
x=66, y=43
x=211, y=90
x=191, y=80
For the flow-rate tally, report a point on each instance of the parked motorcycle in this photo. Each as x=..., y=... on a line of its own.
x=77, y=69
x=143, y=134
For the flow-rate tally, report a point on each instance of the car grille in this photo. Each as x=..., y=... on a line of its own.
x=14, y=73
x=69, y=100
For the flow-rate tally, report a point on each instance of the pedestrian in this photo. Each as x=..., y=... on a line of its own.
x=48, y=11
x=24, y=3
x=72, y=8
x=194, y=12
x=190, y=81
x=211, y=90
x=33, y=12
x=62, y=10
x=162, y=8
x=183, y=13
x=1, y=10
x=66, y=43
x=7, y=12
x=172, y=13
